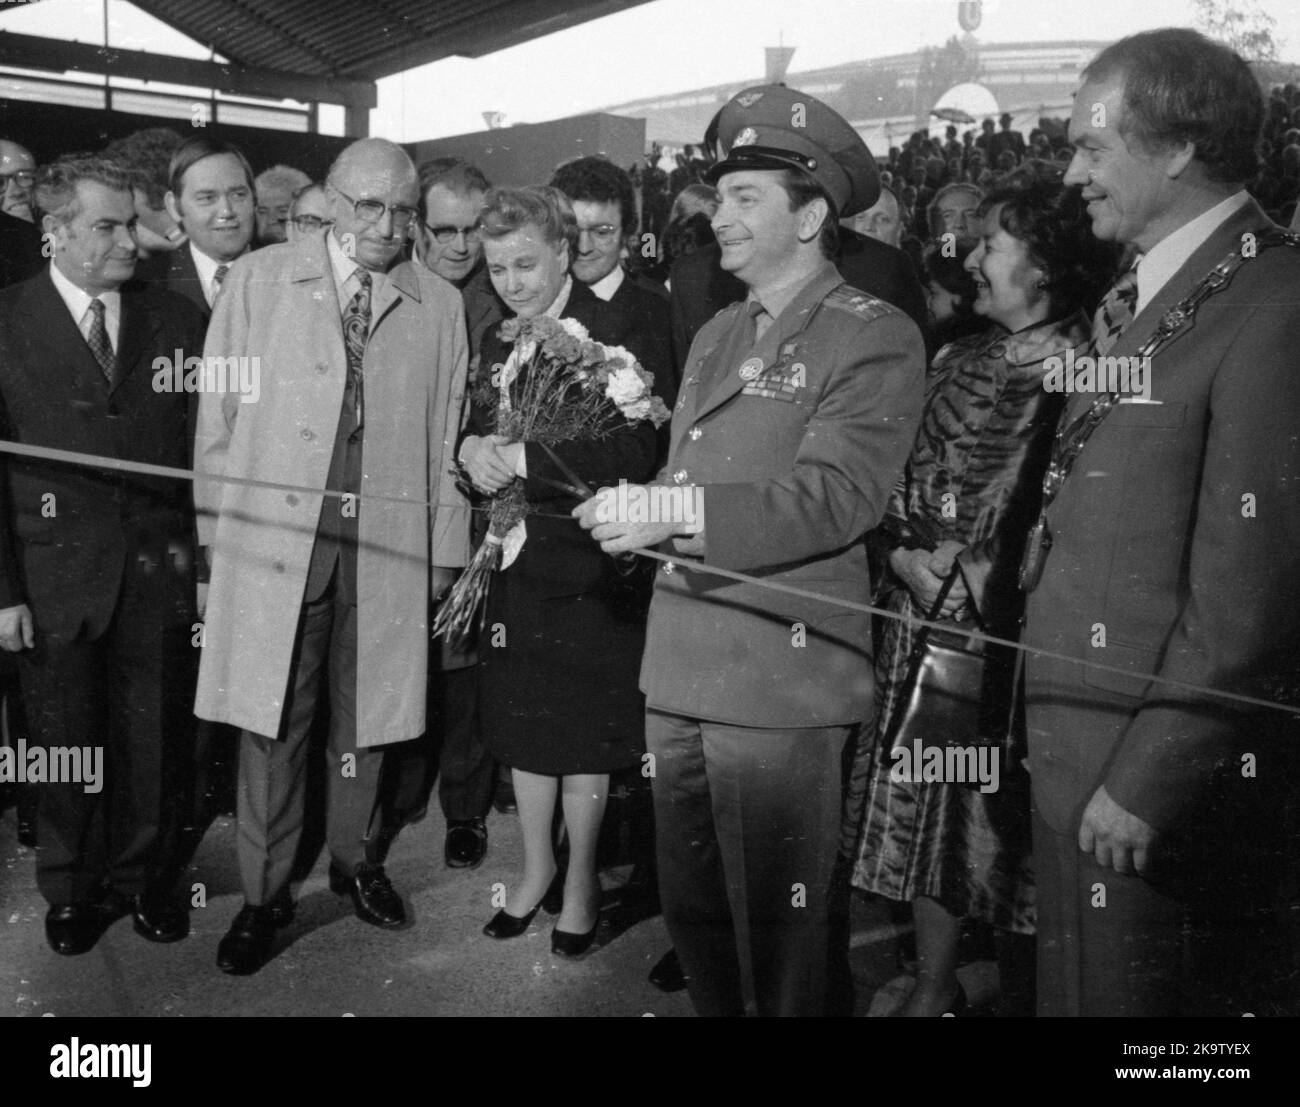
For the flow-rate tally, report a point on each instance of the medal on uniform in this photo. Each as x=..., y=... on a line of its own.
x=751, y=368
x=1037, y=547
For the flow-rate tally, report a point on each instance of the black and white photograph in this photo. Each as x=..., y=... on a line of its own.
x=622, y=508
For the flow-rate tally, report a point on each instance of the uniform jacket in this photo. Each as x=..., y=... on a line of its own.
x=1155, y=539
x=797, y=465
x=280, y=304
x=701, y=287
x=66, y=563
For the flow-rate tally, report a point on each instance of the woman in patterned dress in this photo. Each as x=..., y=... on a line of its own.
x=967, y=497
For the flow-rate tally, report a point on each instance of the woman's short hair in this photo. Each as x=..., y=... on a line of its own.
x=1181, y=87
x=56, y=187
x=1054, y=225
x=695, y=198
x=947, y=269
x=505, y=210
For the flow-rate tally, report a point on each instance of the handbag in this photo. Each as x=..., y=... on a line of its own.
x=959, y=691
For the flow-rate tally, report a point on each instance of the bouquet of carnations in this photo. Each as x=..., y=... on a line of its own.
x=557, y=385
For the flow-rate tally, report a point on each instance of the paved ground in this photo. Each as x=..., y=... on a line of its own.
x=329, y=963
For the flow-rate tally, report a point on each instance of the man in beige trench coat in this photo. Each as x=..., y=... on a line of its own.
x=354, y=381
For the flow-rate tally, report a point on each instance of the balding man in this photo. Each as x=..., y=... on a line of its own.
x=306, y=584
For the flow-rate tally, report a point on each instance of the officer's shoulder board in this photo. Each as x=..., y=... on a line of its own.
x=847, y=298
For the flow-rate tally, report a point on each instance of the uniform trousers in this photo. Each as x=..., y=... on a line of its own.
x=273, y=771
x=746, y=826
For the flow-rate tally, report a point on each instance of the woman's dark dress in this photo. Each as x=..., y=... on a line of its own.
x=560, y=650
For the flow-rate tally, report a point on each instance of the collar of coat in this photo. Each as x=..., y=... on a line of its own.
x=313, y=264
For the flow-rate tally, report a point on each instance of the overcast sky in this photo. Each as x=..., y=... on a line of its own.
x=661, y=47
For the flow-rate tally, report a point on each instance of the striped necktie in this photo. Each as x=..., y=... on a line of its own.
x=1114, y=313
x=356, y=329
x=98, y=341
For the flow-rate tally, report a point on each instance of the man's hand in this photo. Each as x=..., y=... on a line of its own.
x=616, y=535
x=1119, y=840
x=17, y=629
x=489, y=471
x=440, y=580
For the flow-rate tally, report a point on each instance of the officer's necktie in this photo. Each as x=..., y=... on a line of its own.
x=1114, y=313
x=356, y=329
x=98, y=341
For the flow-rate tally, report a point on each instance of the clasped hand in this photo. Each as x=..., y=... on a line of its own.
x=491, y=462
x=1116, y=837
x=924, y=573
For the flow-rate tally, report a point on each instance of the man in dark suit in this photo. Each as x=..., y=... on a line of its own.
x=447, y=243
x=701, y=287
x=20, y=238
x=211, y=196
x=96, y=566
x=638, y=313
x=793, y=422
x=1157, y=840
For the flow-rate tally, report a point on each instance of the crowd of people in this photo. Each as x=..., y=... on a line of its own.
x=865, y=361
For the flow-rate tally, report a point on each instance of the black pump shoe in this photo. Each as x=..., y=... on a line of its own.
x=506, y=925
x=566, y=944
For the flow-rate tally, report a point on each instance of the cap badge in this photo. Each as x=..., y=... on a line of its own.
x=751, y=369
x=749, y=99
x=747, y=137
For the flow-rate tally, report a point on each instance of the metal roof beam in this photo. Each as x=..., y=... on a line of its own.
x=33, y=52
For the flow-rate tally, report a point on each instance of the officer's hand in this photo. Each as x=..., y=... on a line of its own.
x=913, y=569
x=1117, y=838
x=17, y=630
x=599, y=515
x=489, y=471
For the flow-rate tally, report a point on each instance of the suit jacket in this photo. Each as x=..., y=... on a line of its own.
x=20, y=250
x=797, y=464
x=483, y=308
x=638, y=317
x=701, y=287
x=280, y=305
x=182, y=277
x=67, y=531
x=1178, y=534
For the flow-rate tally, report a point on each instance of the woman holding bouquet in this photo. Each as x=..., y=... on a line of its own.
x=561, y=640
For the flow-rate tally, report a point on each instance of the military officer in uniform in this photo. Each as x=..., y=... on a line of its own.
x=795, y=415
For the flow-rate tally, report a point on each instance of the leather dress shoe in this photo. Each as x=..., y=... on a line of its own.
x=503, y=799
x=372, y=894
x=668, y=975
x=506, y=925
x=466, y=843
x=73, y=928
x=247, y=944
x=566, y=944
x=281, y=909
x=157, y=920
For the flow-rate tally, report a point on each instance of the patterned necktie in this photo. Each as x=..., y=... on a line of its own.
x=356, y=329
x=98, y=342
x=217, y=278
x=1114, y=313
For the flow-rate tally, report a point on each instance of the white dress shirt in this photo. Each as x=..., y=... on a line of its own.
x=346, y=281
x=78, y=301
x=608, y=284
x=1170, y=254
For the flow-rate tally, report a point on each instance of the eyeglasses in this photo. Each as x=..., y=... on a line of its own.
x=311, y=222
x=602, y=232
x=443, y=235
x=372, y=211
x=23, y=178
